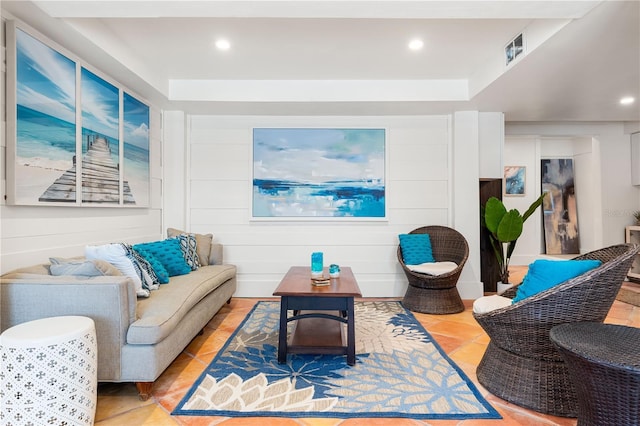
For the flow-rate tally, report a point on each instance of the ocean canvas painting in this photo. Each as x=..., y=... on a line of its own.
x=136, y=150
x=45, y=143
x=100, y=140
x=79, y=138
x=318, y=173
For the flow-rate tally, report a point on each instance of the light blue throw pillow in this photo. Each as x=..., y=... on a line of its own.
x=167, y=252
x=416, y=248
x=544, y=274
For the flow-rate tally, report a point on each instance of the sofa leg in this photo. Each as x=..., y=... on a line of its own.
x=229, y=301
x=144, y=390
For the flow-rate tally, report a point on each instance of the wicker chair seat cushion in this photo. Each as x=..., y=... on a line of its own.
x=486, y=304
x=433, y=268
x=416, y=248
x=544, y=274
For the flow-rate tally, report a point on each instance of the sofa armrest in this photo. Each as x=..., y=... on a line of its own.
x=216, y=255
x=109, y=300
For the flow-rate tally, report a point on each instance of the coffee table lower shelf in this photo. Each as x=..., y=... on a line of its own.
x=319, y=330
x=318, y=335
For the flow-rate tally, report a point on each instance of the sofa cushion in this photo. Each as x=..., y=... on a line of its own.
x=203, y=244
x=159, y=314
x=168, y=252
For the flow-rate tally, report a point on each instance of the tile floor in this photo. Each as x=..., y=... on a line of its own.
x=459, y=335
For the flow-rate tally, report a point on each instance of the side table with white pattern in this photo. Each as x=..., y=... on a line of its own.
x=48, y=372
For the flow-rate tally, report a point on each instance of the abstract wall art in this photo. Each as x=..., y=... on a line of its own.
x=318, y=173
x=560, y=208
x=514, y=180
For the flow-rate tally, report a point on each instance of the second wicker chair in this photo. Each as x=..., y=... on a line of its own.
x=521, y=364
x=437, y=294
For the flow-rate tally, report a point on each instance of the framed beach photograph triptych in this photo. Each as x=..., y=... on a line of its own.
x=74, y=138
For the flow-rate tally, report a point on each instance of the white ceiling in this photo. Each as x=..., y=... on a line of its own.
x=351, y=57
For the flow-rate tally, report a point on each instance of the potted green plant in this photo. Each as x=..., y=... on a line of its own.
x=505, y=227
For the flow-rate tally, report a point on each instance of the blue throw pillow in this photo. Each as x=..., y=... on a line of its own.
x=416, y=248
x=158, y=267
x=169, y=253
x=544, y=274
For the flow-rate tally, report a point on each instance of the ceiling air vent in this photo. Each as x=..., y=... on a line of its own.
x=514, y=48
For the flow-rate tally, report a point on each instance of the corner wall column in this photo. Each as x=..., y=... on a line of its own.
x=174, y=170
x=465, y=197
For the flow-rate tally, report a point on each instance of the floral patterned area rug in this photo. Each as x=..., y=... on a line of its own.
x=400, y=371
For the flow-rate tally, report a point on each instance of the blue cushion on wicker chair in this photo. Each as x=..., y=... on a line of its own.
x=544, y=274
x=416, y=248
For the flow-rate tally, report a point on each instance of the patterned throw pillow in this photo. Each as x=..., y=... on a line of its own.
x=148, y=275
x=189, y=250
x=168, y=253
x=416, y=248
x=203, y=243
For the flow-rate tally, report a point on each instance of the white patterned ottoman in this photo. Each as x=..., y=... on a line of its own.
x=49, y=372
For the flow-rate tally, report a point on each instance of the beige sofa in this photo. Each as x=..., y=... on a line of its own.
x=138, y=338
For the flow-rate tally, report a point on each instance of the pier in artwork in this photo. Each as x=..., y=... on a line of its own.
x=100, y=178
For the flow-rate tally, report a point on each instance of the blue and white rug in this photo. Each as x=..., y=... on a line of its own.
x=400, y=371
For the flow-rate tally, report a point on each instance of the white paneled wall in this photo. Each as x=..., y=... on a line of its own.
x=220, y=183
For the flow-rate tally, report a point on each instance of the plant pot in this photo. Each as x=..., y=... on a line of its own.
x=502, y=287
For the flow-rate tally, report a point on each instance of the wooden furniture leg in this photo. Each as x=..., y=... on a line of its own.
x=144, y=390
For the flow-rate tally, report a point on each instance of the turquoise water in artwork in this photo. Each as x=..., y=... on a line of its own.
x=41, y=136
x=278, y=198
x=47, y=140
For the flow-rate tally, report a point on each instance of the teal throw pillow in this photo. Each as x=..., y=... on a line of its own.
x=544, y=274
x=168, y=253
x=416, y=248
x=156, y=265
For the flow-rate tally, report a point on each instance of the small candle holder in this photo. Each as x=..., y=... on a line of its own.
x=317, y=265
x=334, y=270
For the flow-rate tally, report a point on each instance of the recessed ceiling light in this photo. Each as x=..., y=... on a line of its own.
x=627, y=100
x=223, y=44
x=416, y=44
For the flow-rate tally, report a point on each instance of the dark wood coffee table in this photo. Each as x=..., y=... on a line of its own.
x=316, y=330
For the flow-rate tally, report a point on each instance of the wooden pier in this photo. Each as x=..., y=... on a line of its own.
x=100, y=178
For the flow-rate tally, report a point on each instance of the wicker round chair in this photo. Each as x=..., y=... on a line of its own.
x=521, y=364
x=437, y=294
